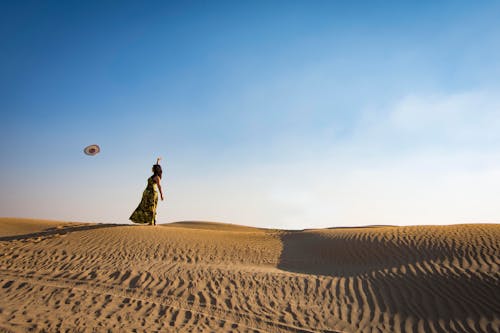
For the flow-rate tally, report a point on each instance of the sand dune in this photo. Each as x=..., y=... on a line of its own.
x=211, y=277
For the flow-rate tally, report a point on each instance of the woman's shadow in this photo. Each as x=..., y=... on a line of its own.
x=58, y=231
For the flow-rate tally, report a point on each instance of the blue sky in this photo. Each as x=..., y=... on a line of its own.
x=289, y=114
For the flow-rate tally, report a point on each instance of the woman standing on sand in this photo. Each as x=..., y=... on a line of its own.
x=145, y=213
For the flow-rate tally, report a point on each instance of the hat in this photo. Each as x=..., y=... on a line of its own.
x=92, y=150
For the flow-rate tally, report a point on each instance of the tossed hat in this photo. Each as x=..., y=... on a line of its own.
x=92, y=150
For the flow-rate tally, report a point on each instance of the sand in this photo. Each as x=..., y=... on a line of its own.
x=212, y=277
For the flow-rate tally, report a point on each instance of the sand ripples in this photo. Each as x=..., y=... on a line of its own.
x=197, y=277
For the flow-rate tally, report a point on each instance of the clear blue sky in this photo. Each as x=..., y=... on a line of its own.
x=289, y=114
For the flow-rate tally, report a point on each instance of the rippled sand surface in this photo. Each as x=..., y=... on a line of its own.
x=214, y=277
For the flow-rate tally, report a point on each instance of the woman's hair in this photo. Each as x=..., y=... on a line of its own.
x=157, y=170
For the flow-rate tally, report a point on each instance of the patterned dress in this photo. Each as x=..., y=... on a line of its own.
x=145, y=213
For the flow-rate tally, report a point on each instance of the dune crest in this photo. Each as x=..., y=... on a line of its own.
x=206, y=277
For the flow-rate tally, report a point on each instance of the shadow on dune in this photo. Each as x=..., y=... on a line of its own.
x=399, y=275
x=58, y=231
x=344, y=255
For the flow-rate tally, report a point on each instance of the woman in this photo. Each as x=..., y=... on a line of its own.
x=145, y=213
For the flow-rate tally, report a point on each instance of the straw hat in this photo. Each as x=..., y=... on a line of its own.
x=92, y=150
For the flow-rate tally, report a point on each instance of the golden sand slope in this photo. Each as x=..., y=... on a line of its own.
x=205, y=277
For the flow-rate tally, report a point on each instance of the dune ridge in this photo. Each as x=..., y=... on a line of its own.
x=211, y=277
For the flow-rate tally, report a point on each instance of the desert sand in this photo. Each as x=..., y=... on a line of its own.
x=213, y=277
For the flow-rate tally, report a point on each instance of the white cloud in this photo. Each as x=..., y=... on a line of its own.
x=469, y=116
x=447, y=172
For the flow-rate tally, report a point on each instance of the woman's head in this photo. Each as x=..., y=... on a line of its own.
x=157, y=170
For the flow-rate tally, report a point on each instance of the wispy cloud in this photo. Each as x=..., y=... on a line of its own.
x=463, y=117
x=447, y=171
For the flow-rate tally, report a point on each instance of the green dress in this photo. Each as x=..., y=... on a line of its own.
x=145, y=213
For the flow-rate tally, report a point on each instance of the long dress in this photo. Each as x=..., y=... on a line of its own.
x=145, y=213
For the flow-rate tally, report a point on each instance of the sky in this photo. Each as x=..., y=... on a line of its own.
x=277, y=114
